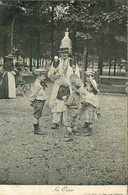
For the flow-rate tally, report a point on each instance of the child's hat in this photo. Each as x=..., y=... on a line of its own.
x=9, y=57
x=90, y=72
x=94, y=84
x=40, y=71
x=75, y=80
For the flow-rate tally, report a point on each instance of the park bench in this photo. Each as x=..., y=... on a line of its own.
x=113, y=84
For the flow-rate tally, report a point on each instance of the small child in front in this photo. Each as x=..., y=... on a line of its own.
x=90, y=105
x=38, y=98
x=72, y=104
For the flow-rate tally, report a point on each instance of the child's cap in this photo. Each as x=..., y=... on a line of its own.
x=75, y=80
x=94, y=84
x=40, y=71
x=90, y=73
x=9, y=57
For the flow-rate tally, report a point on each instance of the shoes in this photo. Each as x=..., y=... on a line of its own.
x=85, y=125
x=85, y=131
x=88, y=133
x=37, y=130
x=67, y=137
x=39, y=133
x=54, y=126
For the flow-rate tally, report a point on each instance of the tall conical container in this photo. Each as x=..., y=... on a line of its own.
x=66, y=42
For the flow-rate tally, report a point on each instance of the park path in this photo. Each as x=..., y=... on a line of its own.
x=26, y=158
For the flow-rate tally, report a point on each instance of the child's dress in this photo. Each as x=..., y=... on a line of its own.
x=89, y=109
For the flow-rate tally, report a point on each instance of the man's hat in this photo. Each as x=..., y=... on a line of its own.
x=40, y=71
x=64, y=50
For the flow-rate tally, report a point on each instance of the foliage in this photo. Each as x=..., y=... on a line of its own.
x=40, y=25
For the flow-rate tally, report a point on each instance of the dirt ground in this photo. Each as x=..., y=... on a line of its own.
x=26, y=158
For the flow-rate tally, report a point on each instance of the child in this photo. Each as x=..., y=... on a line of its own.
x=53, y=73
x=90, y=105
x=72, y=104
x=38, y=98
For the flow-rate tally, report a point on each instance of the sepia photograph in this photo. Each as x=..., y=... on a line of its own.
x=63, y=94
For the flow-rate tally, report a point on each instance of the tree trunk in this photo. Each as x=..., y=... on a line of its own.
x=30, y=62
x=115, y=67
x=84, y=64
x=52, y=33
x=12, y=30
x=127, y=44
x=37, y=20
x=5, y=45
x=74, y=41
x=92, y=62
x=30, y=65
x=100, y=65
x=110, y=64
x=38, y=48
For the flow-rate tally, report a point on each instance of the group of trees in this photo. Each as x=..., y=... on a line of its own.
x=34, y=29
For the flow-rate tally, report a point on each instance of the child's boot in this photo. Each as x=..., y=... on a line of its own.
x=74, y=129
x=54, y=126
x=68, y=135
x=37, y=130
x=85, y=125
x=89, y=133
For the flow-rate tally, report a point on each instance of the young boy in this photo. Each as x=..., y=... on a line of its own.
x=38, y=98
x=72, y=104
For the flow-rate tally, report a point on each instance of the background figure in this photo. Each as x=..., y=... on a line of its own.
x=8, y=85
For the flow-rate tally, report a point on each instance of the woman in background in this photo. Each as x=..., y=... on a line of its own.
x=8, y=85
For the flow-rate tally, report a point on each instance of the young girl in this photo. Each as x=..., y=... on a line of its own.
x=90, y=106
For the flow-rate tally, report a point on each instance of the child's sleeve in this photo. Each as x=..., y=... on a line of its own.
x=53, y=73
x=34, y=93
x=69, y=101
x=98, y=112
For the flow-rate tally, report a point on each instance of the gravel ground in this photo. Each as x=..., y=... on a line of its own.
x=26, y=158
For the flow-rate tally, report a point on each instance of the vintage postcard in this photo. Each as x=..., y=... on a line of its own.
x=63, y=97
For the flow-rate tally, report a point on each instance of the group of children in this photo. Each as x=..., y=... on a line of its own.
x=81, y=102
x=82, y=105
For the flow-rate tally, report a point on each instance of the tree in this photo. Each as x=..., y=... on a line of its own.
x=102, y=20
